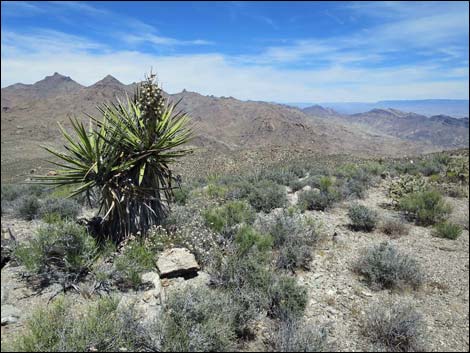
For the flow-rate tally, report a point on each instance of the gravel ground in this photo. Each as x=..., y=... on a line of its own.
x=339, y=299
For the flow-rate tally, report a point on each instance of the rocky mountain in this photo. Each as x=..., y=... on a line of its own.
x=439, y=130
x=30, y=114
x=50, y=86
x=321, y=112
x=453, y=107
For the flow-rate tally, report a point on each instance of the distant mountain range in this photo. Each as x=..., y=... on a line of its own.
x=457, y=108
x=441, y=129
x=29, y=116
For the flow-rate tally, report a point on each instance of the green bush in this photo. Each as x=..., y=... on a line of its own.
x=384, y=267
x=216, y=191
x=298, y=336
x=318, y=200
x=297, y=185
x=425, y=207
x=267, y=195
x=61, y=328
x=223, y=218
x=288, y=299
x=247, y=237
x=362, y=218
x=447, y=230
x=278, y=176
x=136, y=259
x=53, y=208
x=395, y=328
x=58, y=249
x=181, y=195
x=27, y=207
x=197, y=320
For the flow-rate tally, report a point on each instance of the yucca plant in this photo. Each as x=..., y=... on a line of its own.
x=125, y=156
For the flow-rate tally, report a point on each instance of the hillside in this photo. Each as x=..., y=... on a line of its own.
x=30, y=114
x=440, y=130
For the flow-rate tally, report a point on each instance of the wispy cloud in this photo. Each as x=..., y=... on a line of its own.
x=364, y=65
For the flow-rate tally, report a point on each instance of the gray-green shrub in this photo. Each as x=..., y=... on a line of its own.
x=63, y=248
x=362, y=218
x=135, y=259
x=396, y=327
x=27, y=207
x=447, y=230
x=59, y=208
x=267, y=195
x=298, y=336
x=384, y=267
x=61, y=328
x=425, y=207
x=197, y=320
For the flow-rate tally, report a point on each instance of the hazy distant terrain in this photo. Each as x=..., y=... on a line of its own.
x=442, y=130
x=457, y=108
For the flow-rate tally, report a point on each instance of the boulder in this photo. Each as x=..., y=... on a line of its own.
x=177, y=262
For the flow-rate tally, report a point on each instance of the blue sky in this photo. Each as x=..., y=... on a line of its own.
x=273, y=51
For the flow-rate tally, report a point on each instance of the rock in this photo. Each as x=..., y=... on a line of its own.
x=9, y=320
x=10, y=314
x=177, y=262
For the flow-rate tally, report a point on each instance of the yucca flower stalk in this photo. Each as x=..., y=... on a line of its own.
x=126, y=156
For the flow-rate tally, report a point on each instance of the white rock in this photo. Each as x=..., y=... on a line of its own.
x=176, y=262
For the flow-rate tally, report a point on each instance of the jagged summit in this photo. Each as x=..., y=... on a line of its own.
x=108, y=80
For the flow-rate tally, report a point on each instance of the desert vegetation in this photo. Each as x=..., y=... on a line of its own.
x=261, y=245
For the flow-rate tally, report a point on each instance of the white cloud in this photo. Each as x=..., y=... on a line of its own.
x=220, y=75
x=347, y=68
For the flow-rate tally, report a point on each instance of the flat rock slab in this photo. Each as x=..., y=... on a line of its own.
x=177, y=262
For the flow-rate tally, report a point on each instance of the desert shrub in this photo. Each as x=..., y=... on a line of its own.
x=216, y=191
x=297, y=185
x=384, y=267
x=318, y=200
x=247, y=279
x=63, y=248
x=53, y=208
x=223, y=218
x=61, y=328
x=247, y=237
x=197, y=320
x=27, y=207
x=293, y=235
x=181, y=195
x=297, y=336
x=278, y=176
x=135, y=259
x=394, y=227
x=362, y=218
x=373, y=167
x=429, y=167
x=239, y=189
x=11, y=192
x=425, y=207
x=287, y=299
x=186, y=227
x=298, y=170
x=395, y=327
x=353, y=188
x=447, y=230
x=267, y=195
